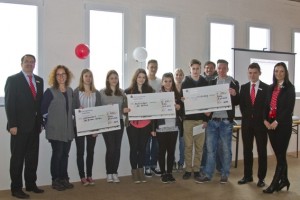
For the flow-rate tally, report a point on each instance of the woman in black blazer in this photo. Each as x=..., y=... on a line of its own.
x=278, y=120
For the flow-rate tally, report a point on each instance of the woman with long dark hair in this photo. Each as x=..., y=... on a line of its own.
x=112, y=94
x=139, y=131
x=167, y=131
x=278, y=120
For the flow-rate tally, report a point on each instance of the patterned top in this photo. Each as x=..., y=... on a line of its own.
x=87, y=101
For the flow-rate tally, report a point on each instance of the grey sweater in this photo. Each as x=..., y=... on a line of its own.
x=60, y=122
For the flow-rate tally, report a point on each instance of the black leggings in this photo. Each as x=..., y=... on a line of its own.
x=90, y=145
x=138, y=138
x=279, y=139
x=166, y=144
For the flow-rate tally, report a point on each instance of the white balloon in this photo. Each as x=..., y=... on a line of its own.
x=140, y=54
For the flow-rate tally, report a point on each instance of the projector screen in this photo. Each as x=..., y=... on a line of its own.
x=266, y=61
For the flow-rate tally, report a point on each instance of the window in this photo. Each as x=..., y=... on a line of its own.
x=259, y=38
x=106, y=45
x=19, y=25
x=221, y=43
x=160, y=42
x=297, y=62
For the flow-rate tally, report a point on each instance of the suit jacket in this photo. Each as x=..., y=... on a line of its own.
x=285, y=103
x=253, y=112
x=22, y=110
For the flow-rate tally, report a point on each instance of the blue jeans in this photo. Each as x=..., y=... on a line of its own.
x=219, y=134
x=218, y=156
x=151, y=155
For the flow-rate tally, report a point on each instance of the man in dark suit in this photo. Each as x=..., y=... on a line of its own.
x=23, y=95
x=252, y=102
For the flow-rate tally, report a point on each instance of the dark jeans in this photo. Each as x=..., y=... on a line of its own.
x=151, y=152
x=90, y=145
x=167, y=144
x=24, y=148
x=113, y=140
x=138, y=138
x=59, y=159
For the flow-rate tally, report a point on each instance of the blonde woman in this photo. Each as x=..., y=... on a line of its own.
x=179, y=76
x=86, y=95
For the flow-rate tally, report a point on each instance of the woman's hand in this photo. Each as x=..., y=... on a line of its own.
x=126, y=110
x=267, y=124
x=232, y=91
x=274, y=125
x=204, y=125
x=207, y=114
x=177, y=106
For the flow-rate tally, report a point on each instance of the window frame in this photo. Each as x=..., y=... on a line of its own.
x=165, y=14
x=225, y=22
x=108, y=8
x=39, y=49
x=296, y=30
x=262, y=26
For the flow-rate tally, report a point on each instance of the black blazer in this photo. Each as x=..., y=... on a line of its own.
x=22, y=110
x=253, y=112
x=285, y=103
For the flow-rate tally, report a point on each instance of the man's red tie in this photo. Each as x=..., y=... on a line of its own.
x=32, y=88
x=252, y=93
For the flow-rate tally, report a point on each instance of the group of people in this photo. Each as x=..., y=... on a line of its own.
x=265, y=110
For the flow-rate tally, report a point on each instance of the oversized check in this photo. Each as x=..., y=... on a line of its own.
x=97, y=119
x=151, y=106
x=207, y=99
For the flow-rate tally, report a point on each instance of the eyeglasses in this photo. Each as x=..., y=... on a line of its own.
x=63, y=75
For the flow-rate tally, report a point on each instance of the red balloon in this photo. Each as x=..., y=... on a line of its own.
x=82, y=51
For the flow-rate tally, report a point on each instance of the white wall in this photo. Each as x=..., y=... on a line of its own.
x=63, y=28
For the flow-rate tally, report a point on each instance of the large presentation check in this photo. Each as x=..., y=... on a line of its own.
x=151, y=106
x=98, y=119
x=207, y=99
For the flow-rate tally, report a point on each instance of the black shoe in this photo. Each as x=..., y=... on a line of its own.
x=245, y=180
x=56, y=184
x=261, y=183
x=66, y=183
x=170, y=178
x=187, y=175
x=164, y=178
x=34, y=189
x=20, y=194
x=196, y=175
x=282, y=184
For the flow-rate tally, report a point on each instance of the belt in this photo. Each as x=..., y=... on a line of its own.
x=219, y=119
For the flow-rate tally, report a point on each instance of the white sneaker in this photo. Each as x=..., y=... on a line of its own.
x=109, y=178
x=116, y=178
